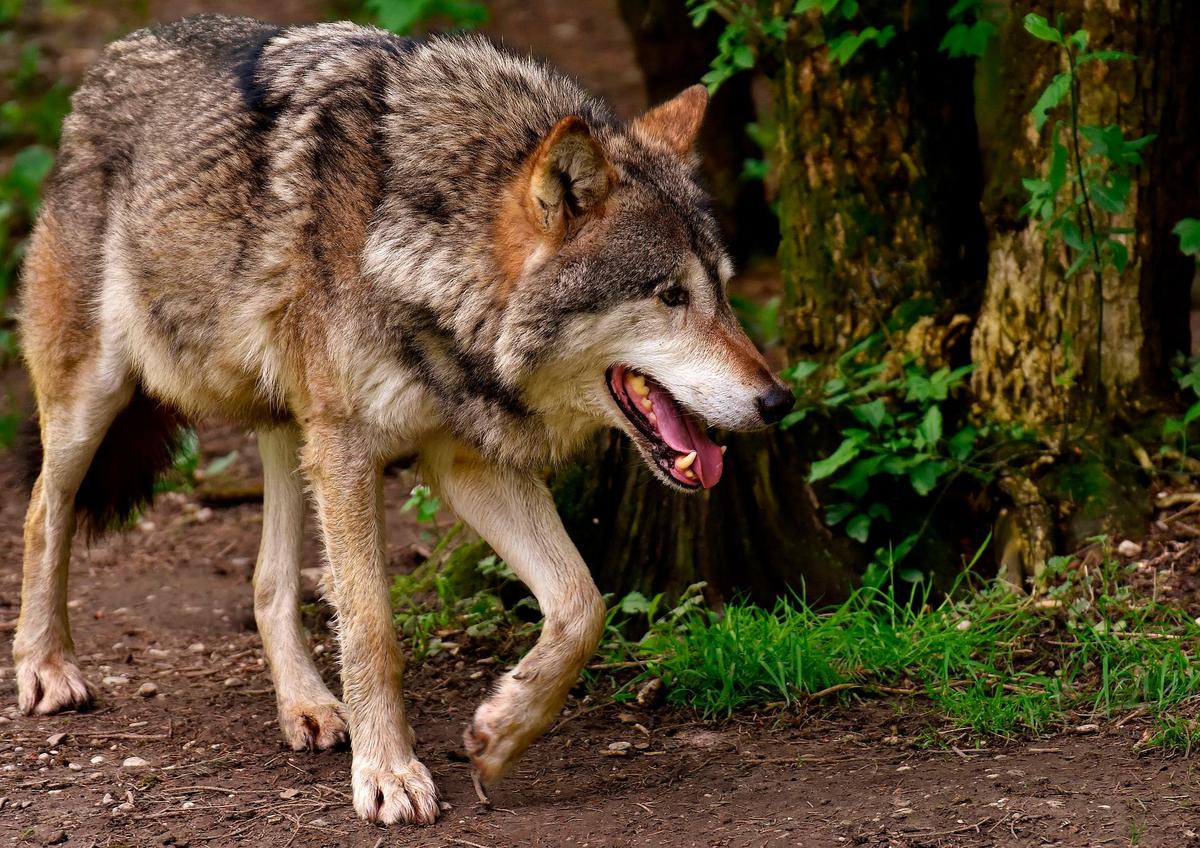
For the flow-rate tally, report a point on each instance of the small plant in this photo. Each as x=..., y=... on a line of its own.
x=1085, y=189
x=970, y=32
x=1176, y=431
x=893, y=425
x=185, y=471
x=755, y=28
x=1188, y=231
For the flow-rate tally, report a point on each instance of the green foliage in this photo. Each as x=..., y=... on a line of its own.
x=759, y=320
x=1085, y=188
x=991, y=662
x=1176, y=431
x=755, y=27
x=404, y=16
x=970, y=33
x=893, y=424
x=1188, y=231
x=185, y=471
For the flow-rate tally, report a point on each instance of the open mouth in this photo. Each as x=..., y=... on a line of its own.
x=677, y=441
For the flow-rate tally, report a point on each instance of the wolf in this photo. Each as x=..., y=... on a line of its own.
x=363, y=247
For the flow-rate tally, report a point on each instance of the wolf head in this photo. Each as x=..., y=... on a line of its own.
x=609, y=251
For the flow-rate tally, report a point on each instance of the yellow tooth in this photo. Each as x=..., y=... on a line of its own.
x=647, y=405
x=683, y=463
x=638, y=383
x=723, y=449
x=691, y=475
x=653, y=419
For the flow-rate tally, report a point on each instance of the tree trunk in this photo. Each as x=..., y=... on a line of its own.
x=1047, y=352
x=673, y=54
x=880, y=200
x=879, y=181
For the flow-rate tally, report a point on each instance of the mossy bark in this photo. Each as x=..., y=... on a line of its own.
x=879, y=183
x=1048, y=351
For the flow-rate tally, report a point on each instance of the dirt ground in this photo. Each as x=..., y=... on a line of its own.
x=168, y=604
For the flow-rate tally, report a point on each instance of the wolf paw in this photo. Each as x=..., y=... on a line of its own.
x=496, y=738
x=52, y=685
x=403, y=793
x=311, y=726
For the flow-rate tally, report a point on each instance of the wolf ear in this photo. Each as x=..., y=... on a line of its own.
x=676, y=123
x=571, y=176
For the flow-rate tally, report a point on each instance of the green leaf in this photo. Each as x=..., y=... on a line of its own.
x=930, y=428
x=1050, y=98
x=1188, y=231
x=29, y=168
x=962, y=443
x=859, y=528
x=1105, y=56
x=967, y=39
x=1058, y=164
x=1078, y=39
x=794, y=418
x=856, y=481
x=924, y=477
x=823, y=468
x=836, y=513
x=1110, y=197
x=1039, y=28
x=872, y=414
x=1120, y=254
x=743, y=56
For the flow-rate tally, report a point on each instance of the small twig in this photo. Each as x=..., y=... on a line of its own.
x=1179, y=497
x=466, y=842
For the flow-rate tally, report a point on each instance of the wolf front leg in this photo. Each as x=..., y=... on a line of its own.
x=514, y=512
x=389, y=783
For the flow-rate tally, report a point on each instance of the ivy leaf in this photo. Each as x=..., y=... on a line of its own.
x=856, y=481
x=823, y=468
x=1050, y=97
x=1039, y=28
x=1188, y=231
x=1120, y=254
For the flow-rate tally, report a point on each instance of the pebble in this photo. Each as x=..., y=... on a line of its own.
x=158, y=653
x=57, y=838
x=197, y=648
x=231, y=682
x=1129, y=549
x=107, y=799
x=134, y=762
x=75, y=766
x=55, y=739
x=147, y=690
x=289, y=794
x=115, y=680
x=96, y=760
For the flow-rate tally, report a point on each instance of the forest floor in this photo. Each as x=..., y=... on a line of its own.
x=169, y=603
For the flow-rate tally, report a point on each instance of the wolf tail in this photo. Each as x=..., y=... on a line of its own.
x=139, y=445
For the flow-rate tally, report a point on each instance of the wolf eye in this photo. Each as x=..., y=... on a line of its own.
x=674, y=296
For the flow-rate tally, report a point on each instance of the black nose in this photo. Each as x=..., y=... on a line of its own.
x=776, y=403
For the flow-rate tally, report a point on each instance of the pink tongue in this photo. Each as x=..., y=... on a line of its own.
x=682, y=433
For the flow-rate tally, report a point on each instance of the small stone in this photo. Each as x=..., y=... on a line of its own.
x=55, y=739
x=75, y=766
x=147, y=690
x=904, y=768
x=57, y=838
x=96, y=760
x=197, y=648
x=204, y=514
x=158, y=653
x=134, y=762
x=115, y=680
x=1129, y=549
x=963, y=625
x=289, y=793
x=619, y=746
x=232, y=682
x=107, y=799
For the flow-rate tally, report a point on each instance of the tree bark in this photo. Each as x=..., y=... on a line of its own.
x=879, y=181
x=1047, y=351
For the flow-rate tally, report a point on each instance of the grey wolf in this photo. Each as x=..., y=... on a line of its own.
x=361, y=247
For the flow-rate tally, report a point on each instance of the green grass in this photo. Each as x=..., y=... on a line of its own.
x=989, y=661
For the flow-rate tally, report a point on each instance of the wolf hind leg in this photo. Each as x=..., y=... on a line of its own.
x=73, y=426
x=310, y=717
